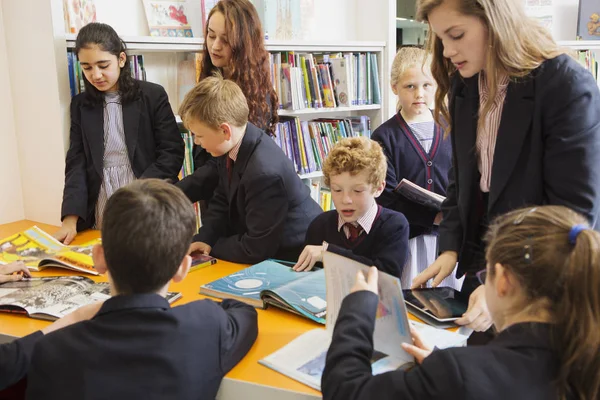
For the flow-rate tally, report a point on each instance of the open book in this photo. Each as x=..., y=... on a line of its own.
x=54, y=297
x=303, y=359
x=38, y=250
x=419, y=195
x=274, y=283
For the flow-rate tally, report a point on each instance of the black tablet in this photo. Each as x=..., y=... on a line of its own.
x=443, y=304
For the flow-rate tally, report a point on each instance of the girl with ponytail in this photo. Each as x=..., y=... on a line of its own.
x=541, y=286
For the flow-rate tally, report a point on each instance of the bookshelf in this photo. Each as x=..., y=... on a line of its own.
x=581, y=44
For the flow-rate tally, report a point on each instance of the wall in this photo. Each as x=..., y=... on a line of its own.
x=11, y=197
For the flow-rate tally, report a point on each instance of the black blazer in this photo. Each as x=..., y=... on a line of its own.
x=518, y=364
x=547, y=149
x=138, y=347
x=266, y=209
x=154, y=145
x=15, y=357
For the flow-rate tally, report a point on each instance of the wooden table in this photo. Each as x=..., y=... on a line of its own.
x=248, y=380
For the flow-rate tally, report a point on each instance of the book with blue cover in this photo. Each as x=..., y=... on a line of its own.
x=275, y=283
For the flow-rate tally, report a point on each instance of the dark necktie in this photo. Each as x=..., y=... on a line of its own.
x=229, y=165
x=355, y=231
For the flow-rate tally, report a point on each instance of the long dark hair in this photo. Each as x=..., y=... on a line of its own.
x=105, y=37
x=555, y=256
x=249, y=60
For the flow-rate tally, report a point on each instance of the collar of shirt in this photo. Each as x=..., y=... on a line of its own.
x=233, y=153
x=366, y=221
x=503, y=82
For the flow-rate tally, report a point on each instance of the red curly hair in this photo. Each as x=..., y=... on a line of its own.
x=249, y=60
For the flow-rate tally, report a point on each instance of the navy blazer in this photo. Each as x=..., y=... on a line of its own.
x=138, y=347
x=406, y=159
x=15, y=357
x=266, y=209
x=518, y=364
x=154, y=146
x=547, y=150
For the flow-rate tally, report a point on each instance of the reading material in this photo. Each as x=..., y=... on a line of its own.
x=54, y=297
x=38, y=250
x=303, y=359
x=201, y=260
x=272, y=283
x=419, y=195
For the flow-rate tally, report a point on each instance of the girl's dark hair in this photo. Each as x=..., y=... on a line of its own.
x=249, y=61
x=105, y=37
x=555, y=256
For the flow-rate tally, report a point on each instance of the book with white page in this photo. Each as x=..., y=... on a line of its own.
x=303, y=359
x=419, y=195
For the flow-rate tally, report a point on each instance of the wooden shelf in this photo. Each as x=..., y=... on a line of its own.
x=174, y=44
x=581, y=44
x=328, y=110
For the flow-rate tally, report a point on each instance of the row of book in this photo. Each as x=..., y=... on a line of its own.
x=321, y=195
x=306, y=80
x=188, y=165
x=588, y=59
x=76, y=79
x=307, y=143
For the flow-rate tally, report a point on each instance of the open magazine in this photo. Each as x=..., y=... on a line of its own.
x=273, y=283
x=53, y=297
x=419, y=195
x=303, y=359
x=38, y=250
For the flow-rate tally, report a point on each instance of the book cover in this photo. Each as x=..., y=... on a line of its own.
x=167, y=18
x=588, y=21
x=419, y=195
x=38, y=250
x=54, y=297
x=78, y=13
x=273, y=283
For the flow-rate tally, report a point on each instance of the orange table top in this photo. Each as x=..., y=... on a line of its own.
x=276, y=327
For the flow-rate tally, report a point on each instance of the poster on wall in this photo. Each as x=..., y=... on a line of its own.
x=167, y=18
x=541, y=11
x=588, y=22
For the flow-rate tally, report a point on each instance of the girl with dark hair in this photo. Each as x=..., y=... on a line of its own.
x=121, y=129
x=235, y=47
x=541, y=286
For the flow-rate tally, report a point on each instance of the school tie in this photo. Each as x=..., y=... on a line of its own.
x=229, y=165
x=355, y=231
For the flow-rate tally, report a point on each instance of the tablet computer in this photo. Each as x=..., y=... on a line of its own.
x=443, y=304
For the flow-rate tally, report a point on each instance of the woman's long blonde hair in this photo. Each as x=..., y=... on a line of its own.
x=517, y=44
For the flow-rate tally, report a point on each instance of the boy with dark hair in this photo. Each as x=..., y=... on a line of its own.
x=137, y=346
x=261, y=208
x=358, y=228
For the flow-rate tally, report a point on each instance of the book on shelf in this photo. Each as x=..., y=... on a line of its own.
x=39, y=250
x=78, y=13
x=588, y=21
x=168, y=18
x=419, y=195
x=303, y=359
x=187, y=167
x=317, y=81
x=53, y=297
x=274, y=283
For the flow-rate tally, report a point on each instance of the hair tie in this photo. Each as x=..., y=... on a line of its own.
x=575, y=231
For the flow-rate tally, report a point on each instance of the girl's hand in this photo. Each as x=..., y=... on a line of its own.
x=369, y=284
x=308, y=258
x=419, y=350
x=7, y=272
x=440, y=269
x=68, y=231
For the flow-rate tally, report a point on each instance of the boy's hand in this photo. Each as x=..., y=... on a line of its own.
x=440, y=269
x=308, y=258
x=68, y=231
x=7, y=272
x=200, y=247
x=477, y=316
x=369, y=284
x=419, y=350
x=81, y=314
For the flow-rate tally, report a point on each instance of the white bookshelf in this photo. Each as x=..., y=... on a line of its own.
x=329, y=110
x=311, y=175
x=581, y=44
x=154, y=44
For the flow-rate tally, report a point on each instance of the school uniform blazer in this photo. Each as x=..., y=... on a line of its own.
x=406, y=158
x=138, y=347
x=15, y=357
x=518, y=364
x=266, y=209
x=547, y=149
x=154, y=146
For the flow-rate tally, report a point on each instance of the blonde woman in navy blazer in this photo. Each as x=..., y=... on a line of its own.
x=152, y=142
x=547, y=149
